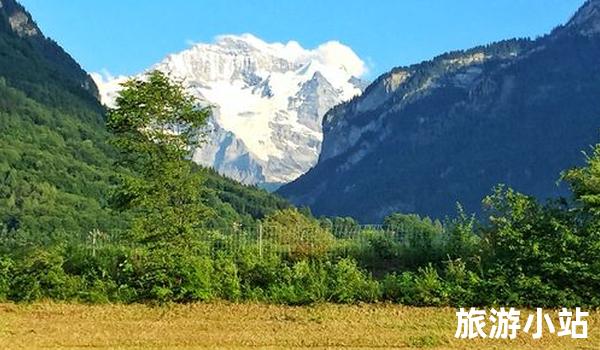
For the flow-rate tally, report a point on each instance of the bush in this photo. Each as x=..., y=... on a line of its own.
x=301, y=236
x=423, y=288
x=349, y=284
x=307, y=282
x=41, y=275
x=303, y=283
x=463, y=285
x=225, y=279
x=257, y=274
x=6, y=276
x=181, y=276
x=99, y=291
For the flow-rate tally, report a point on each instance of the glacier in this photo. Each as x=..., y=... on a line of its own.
x=268, y=101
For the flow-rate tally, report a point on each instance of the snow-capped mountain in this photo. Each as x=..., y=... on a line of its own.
x=268, y=101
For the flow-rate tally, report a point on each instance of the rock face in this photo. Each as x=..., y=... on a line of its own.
x=423, y=137
x=268, y=101
x=16, y=25
x=587, y=19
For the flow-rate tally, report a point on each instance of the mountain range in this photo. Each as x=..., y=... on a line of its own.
x=423, y=137
x=418, y=139
x=268, y=101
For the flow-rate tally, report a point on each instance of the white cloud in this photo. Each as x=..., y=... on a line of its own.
x=331, y=53
x=334, y=53
x=108, y=84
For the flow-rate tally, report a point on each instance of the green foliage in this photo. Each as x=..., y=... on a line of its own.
x=179, y=276
x=156, y=125
x=423, y=288
x=41, y=275
x=299, y=234
x=6, y=276
x=412, y=226
x=585, y=181
x=308, y=282
x=547, y=252
x=237, y=203
x=422, y=237
x=54, y=167
x=302, y=283
x=340, y=226
x=463, y=285
x=225, y=278
x=461, y=240
x=350, y=284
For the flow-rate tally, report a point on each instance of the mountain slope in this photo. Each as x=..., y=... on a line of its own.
x=268, y=101
x=29, y=58
x=55, y=162
x=423, y=137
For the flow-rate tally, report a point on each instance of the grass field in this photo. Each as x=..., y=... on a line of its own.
x=239, y=326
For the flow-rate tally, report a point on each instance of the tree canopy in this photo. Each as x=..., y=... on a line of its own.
x=156, y=126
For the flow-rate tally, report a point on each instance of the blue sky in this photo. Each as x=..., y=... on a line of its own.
x=127, y=36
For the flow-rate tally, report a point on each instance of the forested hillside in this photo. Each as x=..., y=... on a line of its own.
x=56, y=164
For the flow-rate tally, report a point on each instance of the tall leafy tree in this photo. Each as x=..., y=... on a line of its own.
x=585, y=181
x=156, y=126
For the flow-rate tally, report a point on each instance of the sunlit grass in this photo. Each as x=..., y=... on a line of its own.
x=234, y=326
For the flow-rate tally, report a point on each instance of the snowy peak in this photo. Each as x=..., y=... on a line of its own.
x=230, y=58
x=269, y=101
x=313, y=100
x=248, y=58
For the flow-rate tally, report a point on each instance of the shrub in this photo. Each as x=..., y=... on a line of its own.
x=301, y=236
x=398, y=287
x=303, y=283
x=41, y=275
x=257, y=273
x=181, y=276
x=423, y=288
x=6, y=275
x=225, y=279
x=349, y=284
x=462, y=284
x=99, y=292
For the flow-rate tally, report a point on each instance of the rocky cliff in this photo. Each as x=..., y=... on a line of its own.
x=423, y=137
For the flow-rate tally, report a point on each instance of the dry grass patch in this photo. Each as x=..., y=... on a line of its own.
x=238, y=326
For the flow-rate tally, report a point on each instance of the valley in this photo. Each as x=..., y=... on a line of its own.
x=133, y=213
